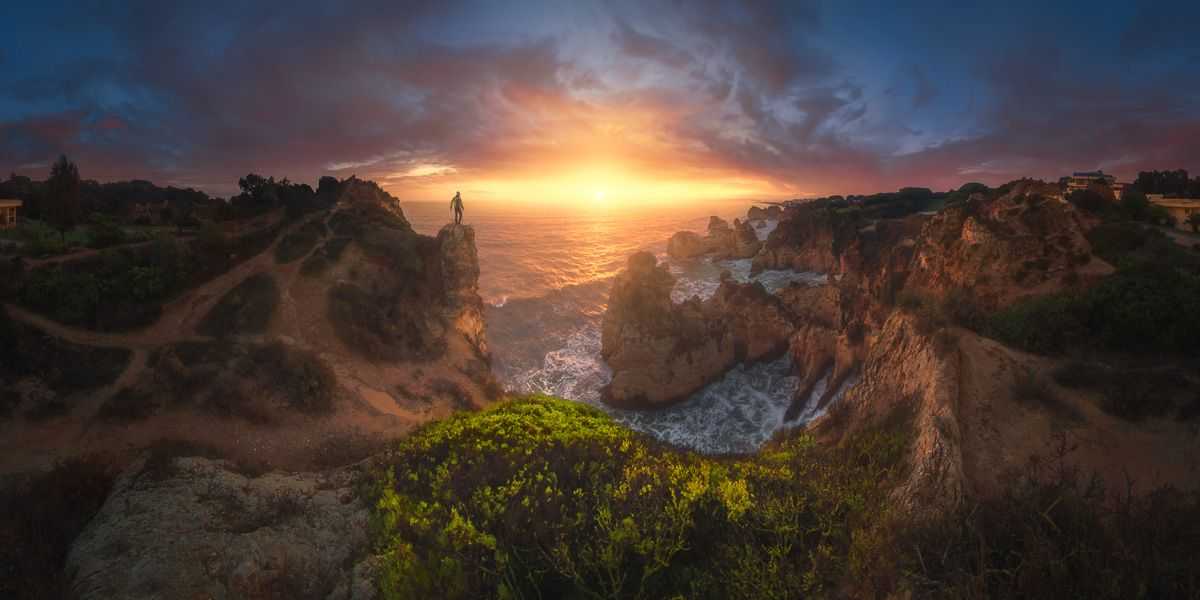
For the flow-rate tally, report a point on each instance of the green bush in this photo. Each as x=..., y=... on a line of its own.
x=547, y=498
x=104, y=232
x=300, y=242
x=1045, y=324
x=245, y=309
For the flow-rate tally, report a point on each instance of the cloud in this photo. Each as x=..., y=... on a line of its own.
x=757, y=90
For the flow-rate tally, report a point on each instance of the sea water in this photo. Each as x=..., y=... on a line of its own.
x=545, y=276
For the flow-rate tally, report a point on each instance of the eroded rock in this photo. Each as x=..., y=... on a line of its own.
x=195, y=528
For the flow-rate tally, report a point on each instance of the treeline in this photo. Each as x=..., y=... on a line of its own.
x=143, y=202
x=1174, y=184
x=884, y=205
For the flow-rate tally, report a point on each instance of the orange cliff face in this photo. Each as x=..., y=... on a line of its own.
x=963, y=392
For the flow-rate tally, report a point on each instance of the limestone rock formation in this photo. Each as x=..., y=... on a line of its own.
x=688, y=244
x=195, y=528
x=722, y=240
x=1020, y=243
x=662, y=352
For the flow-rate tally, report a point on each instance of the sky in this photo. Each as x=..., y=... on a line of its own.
x=607, y=101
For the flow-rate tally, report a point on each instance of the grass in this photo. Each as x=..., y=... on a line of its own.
x=245, y=309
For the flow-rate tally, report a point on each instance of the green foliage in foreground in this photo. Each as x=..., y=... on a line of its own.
x=547, y=498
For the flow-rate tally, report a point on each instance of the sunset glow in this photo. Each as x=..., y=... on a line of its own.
x=645, y=102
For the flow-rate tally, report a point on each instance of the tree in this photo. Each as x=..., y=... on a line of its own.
x=182, y=210
x=1135, y=206
x=1194, y=220
x=63, y=196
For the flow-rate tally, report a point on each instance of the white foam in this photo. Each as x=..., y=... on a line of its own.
x=702, y=277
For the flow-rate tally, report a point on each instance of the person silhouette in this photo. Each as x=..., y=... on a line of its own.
x=457, y=205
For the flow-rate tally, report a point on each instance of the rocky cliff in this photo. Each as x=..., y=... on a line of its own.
x=662, y=352
x=346, y=324
x=1023, y=242
x=722, y=241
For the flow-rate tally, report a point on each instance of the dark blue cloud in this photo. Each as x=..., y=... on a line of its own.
x=816, y=96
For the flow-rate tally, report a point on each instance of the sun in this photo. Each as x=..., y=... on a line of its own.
x=598, y=195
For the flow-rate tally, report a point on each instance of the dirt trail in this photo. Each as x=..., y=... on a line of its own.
x=382, y=401
x=179, y=316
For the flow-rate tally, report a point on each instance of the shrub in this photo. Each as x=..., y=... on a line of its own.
x=373, y=327
x=104, y=232
x=63, y=367
x=548, y=498
x=1054, y=534
x=245, y=309
x=308, y=384
x=1045, y=324
x=295, y=245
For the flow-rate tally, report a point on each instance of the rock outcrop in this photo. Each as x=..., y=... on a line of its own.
x=688, y=244
x=662, y=352
x=1024, y=242
x=195, y=528
x=722, y=241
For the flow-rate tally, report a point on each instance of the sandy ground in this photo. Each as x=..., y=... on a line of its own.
x=1002, y=435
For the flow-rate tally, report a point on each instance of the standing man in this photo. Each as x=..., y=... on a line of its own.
x=456, y=204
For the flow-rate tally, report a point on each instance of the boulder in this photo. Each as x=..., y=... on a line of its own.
x=743, y=241
x=687, y=244
x=196, y=528
x=756, y=213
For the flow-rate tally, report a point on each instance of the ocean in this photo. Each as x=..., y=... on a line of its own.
x=545, y=275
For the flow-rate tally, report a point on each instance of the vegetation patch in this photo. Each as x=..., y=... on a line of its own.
x=63, y=367
x=1143, y=308
x=307, y=383
x=548, y=498
x=300, y=242
x=1135, y=393
x=124, y=288
x=379, y=328
x=245, y=309
x=1053, y=534
x=245, y=381
x=324, y=257
x=129, y=404
x=1032, y=390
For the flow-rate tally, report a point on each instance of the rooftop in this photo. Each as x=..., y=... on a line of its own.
x=9, y=203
